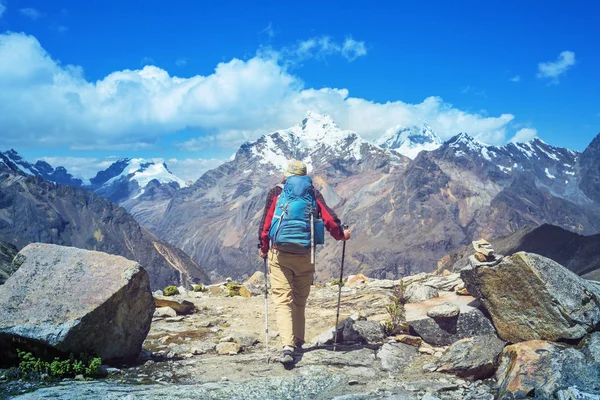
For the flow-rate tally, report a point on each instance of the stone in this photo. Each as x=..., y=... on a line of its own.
x=408, y=339
x=244, y=292
x=245, y=340
x=217, y=290
x=228, y=348
x=357, y=280
x=446, y=310
x=544, y=368
x=362, y=357
x=445, y=331
x=463, y=292
x=182, y=291
x=382, y=284
x=483, y=246
x=256, y=284
x=472, y=358
x=530, y=297
x=481, y=257
x=395, y=357
x=202, y=347
x=158, y=293
x=417, y=292
x=76, y=301
x=328, y=336
x=174, y=319
x=181, y=307
x=363, y=332
x=227, y=339
x=162, y=312
x=430, y=367
x=474, y=262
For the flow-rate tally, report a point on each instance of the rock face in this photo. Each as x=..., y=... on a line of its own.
x=417, y=292
x=531, y=297
x=396, y=356
x=7, y=268
x=472, y=358
x=543, y=368
x=77, y=301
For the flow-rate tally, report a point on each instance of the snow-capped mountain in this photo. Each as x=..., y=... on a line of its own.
x=316, y=141
x=128, y=179
x=42, y=169
x=410, y=141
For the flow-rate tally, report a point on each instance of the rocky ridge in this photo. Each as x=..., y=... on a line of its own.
x=218, y=351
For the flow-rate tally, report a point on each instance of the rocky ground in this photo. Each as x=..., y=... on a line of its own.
x=218, y=352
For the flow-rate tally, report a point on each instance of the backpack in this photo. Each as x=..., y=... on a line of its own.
x=296, y=208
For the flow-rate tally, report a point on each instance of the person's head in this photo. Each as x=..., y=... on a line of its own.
x=295, y=167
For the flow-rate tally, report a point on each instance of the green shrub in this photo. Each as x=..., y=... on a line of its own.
x=234, y=289
x=170, y=291
x=199, y=288
x=32, y=368
x=397, y=321
x=336, y=282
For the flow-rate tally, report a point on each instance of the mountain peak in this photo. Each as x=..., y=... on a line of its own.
x=410, y=141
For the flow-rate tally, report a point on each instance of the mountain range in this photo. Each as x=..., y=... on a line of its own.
x=35, y=210
x=407, y=207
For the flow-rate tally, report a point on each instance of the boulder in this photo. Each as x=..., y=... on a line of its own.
x=328, y=336
x=472, y=358
x=531, y=297
x=417, y=292
x=395, y=357
x=76, y=301
x=181, y=307
x=469, y=322
x=164, y=312
x=363, y=332
x=408, y=339
x=244, y=339
x=357, y=280
x=545, y=368
x=228, y=348
x=446, y=310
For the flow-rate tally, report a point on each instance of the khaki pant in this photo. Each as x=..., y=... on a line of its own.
x=291, y=277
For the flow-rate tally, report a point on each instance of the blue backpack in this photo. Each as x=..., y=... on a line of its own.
x=296, y=208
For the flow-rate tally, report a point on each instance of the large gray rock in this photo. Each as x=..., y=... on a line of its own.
x=76, y=301
x=531, y=297
x=395, y=357
x=472, y=358
x=417, y=292
x=546, y=368
x=7, y=267
x=363, y=332
x=346, y=358
x=468, y=323
x=181, y=307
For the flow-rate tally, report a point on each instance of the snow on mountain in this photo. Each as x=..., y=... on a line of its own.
x=410, y=141
x=24, y=166
x=316, y=139
x=143, y=171
x=43, y=169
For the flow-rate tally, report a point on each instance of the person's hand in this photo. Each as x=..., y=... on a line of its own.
x=346, y=234
x=261, y=254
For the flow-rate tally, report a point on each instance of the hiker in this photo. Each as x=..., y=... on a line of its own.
x=291, y=264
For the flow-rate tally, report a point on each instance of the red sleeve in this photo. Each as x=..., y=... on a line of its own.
x=330, y=220
x=265, y=224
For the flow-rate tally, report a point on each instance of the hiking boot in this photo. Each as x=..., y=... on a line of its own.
x=287, y=355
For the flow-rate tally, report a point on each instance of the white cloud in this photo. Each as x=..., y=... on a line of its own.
x=146, y=61
x=181, y=62
x=30, y=13
x=524, y=135
x=516, y=78
x=553, y=69
x=351, y=49
x=46, y=103
x=2, y=9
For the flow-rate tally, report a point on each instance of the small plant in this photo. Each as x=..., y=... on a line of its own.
x=170, y=291
x=199, y=288
x=397, y=321
x=337, y=282
x=233, y=289
x=32, y=368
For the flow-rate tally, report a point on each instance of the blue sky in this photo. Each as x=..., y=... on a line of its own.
x=74, y=86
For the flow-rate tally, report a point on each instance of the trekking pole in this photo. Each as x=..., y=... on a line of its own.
x=266, y=314
x=337, y=315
